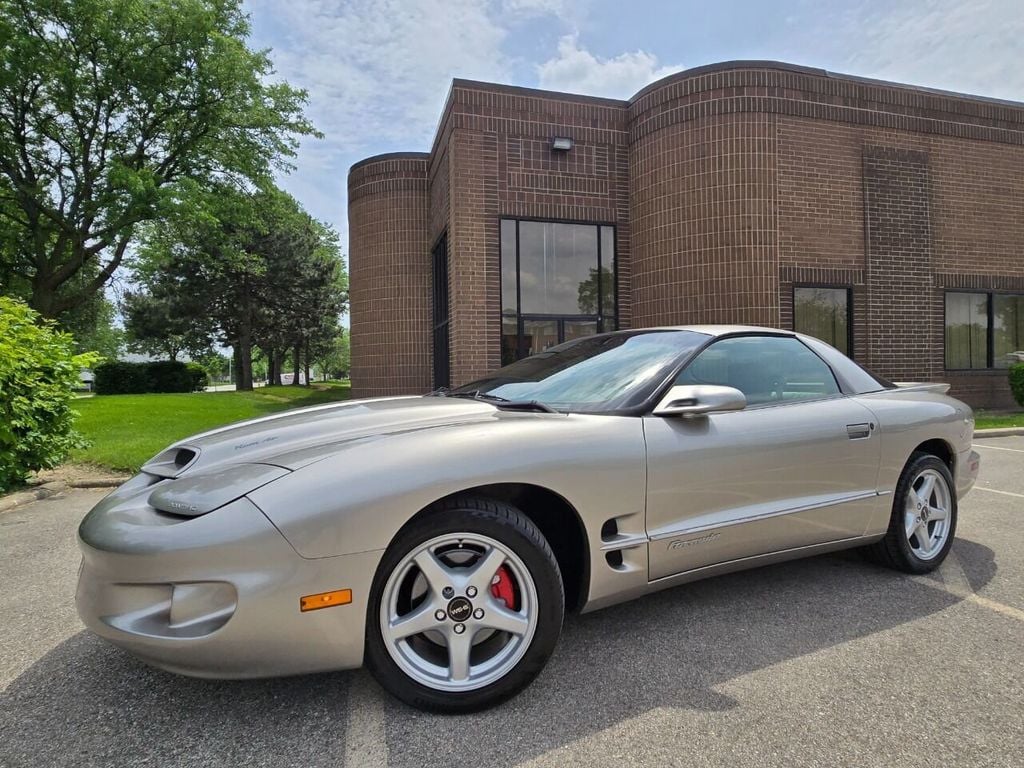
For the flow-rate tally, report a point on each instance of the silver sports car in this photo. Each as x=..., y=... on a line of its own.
x=440, y=539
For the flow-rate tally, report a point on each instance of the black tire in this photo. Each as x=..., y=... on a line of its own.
x=506, y=524
x=894, y=550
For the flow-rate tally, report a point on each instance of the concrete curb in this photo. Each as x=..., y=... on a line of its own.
x=20, y=498
x=999, y=432
x=54, y=488
x=97, y=482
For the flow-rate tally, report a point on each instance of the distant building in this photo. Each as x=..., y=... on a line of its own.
x=886, y=219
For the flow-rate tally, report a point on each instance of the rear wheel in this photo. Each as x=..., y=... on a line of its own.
x=466, y=607
x=923, y=520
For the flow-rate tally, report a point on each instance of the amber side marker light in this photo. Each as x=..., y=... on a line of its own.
x=325, y=600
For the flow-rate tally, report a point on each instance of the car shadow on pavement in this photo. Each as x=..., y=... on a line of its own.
x=87, y=703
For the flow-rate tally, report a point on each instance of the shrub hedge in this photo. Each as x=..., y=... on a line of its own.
x=38, y=375
x=119, y=378
x=1017, y=382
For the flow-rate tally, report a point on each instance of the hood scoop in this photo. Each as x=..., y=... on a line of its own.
x=172, y=462
x=199, y=494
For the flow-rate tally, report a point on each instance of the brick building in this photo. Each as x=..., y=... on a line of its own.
x=886, y=219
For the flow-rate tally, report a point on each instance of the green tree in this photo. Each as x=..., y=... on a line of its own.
x=38, y=372
x=332, y=360
x=165, y=320
x=261, y=269
x=587, y=292
x=94, y=329
x=118, y=112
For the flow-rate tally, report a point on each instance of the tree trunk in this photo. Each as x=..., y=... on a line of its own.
x=236, y=360
x=244, y=383
x=268, y=353
x=278, y=367
x=305, y=361
x=296, y=365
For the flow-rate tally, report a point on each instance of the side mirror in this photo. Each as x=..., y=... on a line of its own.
x=698, y=400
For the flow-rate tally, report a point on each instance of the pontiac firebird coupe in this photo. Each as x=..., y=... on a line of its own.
x=439, y=539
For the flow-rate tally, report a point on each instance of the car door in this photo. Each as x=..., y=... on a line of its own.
x=797, y=467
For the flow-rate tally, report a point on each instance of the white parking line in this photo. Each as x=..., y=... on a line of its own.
x=996, y=448
x=1003, y=493
x=954, y=581
x=366, y=743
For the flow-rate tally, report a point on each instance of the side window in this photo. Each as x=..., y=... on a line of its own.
x=767, y=369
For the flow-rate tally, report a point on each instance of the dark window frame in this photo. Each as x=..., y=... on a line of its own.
x=850, y=350
x=440, y=305
x=598, y=318
x=989, y=326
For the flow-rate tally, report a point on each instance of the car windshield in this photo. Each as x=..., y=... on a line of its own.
x=596, y=373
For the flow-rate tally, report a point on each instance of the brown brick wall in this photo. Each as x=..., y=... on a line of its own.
x=728, y=185
x=897, y=215
x=502, y=165
x=703, y=214
x=389, y=275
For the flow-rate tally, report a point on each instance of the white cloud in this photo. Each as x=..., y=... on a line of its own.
x=377, y=73
x=378, y=69
x=577, y=70
x=974, y=47
x=528, y=8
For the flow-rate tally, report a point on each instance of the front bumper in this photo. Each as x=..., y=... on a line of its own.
x=216, y=595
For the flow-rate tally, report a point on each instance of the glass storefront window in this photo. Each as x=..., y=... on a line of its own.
x=966, y=330
x=1007, y=330
x=557, y=284
x=823, y=313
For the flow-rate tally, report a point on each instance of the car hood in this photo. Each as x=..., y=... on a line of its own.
x=295, y=438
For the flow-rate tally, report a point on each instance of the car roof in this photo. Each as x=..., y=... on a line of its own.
x=721, y=330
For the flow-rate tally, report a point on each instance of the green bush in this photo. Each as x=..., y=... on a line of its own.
x=200, y=379
x=117, y=378
x=38, y=375
x=1017, y=382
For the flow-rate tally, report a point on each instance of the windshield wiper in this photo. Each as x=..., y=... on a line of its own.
x=503, y=402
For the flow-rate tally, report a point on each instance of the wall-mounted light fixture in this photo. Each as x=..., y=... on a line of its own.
x=561, y=143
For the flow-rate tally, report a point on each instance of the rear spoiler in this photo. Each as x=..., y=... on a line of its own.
x=923, y=386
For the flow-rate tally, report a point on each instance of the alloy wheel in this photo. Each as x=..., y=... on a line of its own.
x=926, y=514
x=458, y=612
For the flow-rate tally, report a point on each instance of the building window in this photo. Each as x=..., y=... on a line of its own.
x=441, y=314
x=823, y=313
x=983, y=330
x=557, y=284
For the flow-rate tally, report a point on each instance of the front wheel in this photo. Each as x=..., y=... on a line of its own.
x=466, y=607
x=923, y=520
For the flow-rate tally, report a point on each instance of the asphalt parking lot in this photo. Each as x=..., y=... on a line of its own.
x=828, y=661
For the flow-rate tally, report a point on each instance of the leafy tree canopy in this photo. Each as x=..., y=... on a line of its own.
x=118, y=112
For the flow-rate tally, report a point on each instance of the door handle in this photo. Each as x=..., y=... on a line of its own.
x=859, y=431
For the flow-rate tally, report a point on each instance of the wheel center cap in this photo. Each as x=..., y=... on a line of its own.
x=459, y=609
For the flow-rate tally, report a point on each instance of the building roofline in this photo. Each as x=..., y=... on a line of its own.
x=726, y=66
x=389, y=156
x=706, y=69
x=540, y=93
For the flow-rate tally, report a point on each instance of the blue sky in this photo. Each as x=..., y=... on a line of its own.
x=378, y=71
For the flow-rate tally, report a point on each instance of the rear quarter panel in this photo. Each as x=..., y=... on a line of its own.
x=906, y=419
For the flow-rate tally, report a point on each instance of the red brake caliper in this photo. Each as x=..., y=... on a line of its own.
x=503, y=589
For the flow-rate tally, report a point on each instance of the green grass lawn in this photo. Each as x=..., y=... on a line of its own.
x=126, y=430
x=983, y=420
